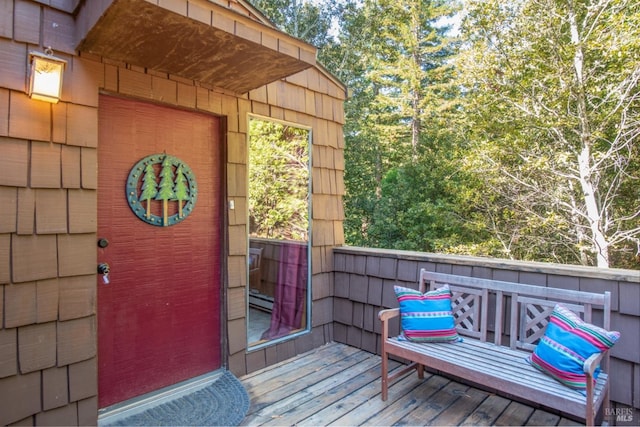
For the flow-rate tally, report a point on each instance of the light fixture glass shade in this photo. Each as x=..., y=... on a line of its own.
x=45, y=80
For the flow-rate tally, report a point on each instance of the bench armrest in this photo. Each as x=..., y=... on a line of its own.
x=387, y=314
x=589, y=367
x=384, y=316
x=592, y=363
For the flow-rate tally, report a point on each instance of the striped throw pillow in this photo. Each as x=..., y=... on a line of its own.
x=568, y=341
x=426, y=317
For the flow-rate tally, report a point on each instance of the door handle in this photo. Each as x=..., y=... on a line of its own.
x=103, y=268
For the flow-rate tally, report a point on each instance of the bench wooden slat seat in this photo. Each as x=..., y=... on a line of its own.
x=500, y=368
x=503, y=368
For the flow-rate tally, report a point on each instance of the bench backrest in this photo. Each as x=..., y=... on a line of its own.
x=486, y=308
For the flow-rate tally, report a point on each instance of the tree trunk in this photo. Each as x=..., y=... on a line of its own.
x=415, y=128
x=581, y=236
x=589, y=190
x=600, y=243
x=415, y=95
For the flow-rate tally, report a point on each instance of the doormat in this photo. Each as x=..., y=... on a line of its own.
x=224, y=402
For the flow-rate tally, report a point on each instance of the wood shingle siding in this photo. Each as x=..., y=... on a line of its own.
x=49, y=186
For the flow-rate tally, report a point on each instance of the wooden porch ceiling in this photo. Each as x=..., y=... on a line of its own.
x=219, y=49
x=340, y=385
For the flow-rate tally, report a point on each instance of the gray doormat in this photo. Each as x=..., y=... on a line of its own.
x=224, y=402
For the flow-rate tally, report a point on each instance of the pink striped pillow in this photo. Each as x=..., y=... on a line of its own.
x=569, y=341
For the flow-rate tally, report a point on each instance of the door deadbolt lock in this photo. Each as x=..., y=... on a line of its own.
x=103, y=268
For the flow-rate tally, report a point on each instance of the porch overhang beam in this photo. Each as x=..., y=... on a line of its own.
x=213, y=45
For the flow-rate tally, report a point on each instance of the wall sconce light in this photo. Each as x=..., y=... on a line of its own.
x=45, y=79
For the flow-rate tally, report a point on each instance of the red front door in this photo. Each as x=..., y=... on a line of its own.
x=159, y=316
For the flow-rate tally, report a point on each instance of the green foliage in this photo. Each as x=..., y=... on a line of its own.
x=552, y=119
x=309, y=21
x=278, y=181
x=397, y=131
x=417, y=211
x=518, y=138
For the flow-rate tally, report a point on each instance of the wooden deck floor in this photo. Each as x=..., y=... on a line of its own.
x=340, y=385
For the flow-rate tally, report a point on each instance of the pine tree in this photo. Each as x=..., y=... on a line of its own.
x=181, y=189
x=397, y=122
x=149, y=187
x=165, y=188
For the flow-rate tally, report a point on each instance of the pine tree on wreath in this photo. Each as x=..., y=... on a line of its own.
x=149, y=187
x=165, y=187
x=181, y=190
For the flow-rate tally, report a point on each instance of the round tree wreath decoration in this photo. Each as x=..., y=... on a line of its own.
x=161, y=190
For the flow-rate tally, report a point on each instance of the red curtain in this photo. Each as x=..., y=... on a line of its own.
x=290, y=293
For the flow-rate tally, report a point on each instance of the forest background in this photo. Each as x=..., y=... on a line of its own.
x=495, y=128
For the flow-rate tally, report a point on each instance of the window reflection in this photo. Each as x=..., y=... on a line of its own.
x=278, y=258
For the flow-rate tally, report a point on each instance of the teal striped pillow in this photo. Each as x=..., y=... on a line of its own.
x=426, y=317
x=569, y=341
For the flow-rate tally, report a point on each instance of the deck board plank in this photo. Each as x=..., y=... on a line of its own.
x=298, y=381
x=487, y=412
x=516, y=414
x=338, y=410
x=568, y=422
x=298, y=367
x=360, y=414
x=284, y=411
x=340, y=385
x=409, y=402
x=460, y=409
x=436, y=405
x=542, y=418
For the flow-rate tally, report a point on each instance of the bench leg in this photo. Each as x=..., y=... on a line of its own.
x=385, y=375
x=420, y=369
x=589, y=415
x=606, y=408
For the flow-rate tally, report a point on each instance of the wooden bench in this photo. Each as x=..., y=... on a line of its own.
x=497, y=339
